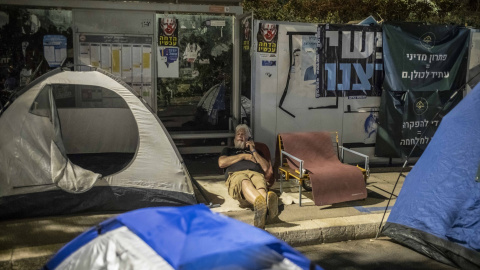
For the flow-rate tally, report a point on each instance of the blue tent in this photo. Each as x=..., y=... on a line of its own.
x=438, y=209
x=190, y=237
x=369, y=21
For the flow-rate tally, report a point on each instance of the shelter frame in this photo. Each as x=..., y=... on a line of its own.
x=225, y=7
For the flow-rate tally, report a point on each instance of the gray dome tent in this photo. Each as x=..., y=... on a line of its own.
x=89, y=117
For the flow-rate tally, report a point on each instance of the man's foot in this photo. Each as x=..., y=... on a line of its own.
x=260, y=208
x=272, y=205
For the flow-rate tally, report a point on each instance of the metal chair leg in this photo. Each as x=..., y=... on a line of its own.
x=281, y=180
x=300, y=193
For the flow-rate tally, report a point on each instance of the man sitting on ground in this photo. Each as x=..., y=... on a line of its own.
x=245, y=176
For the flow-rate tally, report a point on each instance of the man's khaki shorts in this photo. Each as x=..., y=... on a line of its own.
x=234, y=183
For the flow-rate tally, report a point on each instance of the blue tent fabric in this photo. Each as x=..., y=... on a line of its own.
x=369, y=21
x=82, y=239
x=466, y=227
x=193, y=237
x=438, y=209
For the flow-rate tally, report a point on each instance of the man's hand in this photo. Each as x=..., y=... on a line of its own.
x=249, y=157
x=225, y=161
x=257, y=158
x=250, y=144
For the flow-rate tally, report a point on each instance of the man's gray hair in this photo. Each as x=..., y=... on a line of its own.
x=245, y=128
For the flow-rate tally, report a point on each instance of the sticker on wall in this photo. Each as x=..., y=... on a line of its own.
x=246, y=33
x=191, y=52
x=220, y=23
x=168, y=32
x=267, y=38
x=54, y=49
x=31, y=24
x=168, y=62
x=370, y=127
x=309, y=45
x=268, y=55
x=267, y=63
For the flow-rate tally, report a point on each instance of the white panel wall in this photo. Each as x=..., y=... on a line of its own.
x=115, y=55
x=114, y=21
x=269, y=82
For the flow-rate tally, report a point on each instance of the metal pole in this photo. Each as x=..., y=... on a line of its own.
x=210, y=204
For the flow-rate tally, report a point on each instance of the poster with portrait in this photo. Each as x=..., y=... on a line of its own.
x=309, y=54
x=168, y=31
x=267, y=38
x=247, y=33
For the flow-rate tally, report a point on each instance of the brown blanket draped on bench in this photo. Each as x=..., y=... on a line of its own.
x=331, y=181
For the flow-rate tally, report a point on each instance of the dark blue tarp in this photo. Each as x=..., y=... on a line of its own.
x=438, y=209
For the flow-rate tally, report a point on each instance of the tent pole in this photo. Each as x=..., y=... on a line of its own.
x=380, y=227
x=197, y=185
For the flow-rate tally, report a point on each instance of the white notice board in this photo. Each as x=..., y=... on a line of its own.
x=127, y=57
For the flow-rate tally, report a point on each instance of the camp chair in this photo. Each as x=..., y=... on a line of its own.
x=293, y=167
x=265, y=152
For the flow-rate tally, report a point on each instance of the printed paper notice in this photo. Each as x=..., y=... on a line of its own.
x=127, y=63
x=137, y=63
x=106, y=57
x=116, y=59
x=84, y=54
x=54, y=49
x=147, y=68
x=95, y=55
x=168, y=66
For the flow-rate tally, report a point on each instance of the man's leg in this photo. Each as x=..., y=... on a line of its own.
x=259, y=182
x=262, y=192
x=253, y=196
x=250, y=192
x=272, y=205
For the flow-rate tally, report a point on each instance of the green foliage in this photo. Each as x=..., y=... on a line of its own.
x=462, y=12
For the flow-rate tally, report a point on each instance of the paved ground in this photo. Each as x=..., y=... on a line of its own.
x=28, y=243
x=369, y=254
x=310, y=223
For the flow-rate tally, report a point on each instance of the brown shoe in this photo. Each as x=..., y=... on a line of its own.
x=272, y=205
x=260, y=208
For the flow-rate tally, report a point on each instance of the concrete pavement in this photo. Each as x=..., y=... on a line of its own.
x=29, y=243
x=313, y=224
x=369, y=254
